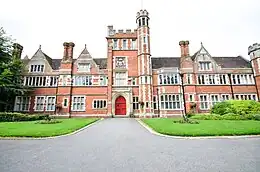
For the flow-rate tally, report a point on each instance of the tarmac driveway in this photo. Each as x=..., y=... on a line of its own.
x=123, y=145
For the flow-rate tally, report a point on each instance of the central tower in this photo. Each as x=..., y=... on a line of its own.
x=144, y=63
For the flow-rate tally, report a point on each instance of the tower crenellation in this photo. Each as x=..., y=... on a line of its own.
x=254, y=50
x=114, y=32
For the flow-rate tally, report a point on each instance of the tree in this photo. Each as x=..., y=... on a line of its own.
x=11, y=68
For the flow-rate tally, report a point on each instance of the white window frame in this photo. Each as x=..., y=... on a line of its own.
x=83, y=103
x=48, y=104
x=115, y=44
x=212, y=99
x=191, y=97
x=119, y=80
x=37, y=68
x=135, y=102
x=207, y=102
x=84, y=67
x=133, y=44
x=83, y=80
x=169, y=79
x=125, y=47
x=155, y=107
x=21, y=103
x=245, y=96
x=189, y=78
x=244, y=79
x=36, y=104
x=64, y=102
x=171, y=103
x=225, y=97
x=205, y=66
x=99, y=104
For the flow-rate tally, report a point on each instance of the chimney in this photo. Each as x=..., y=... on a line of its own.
x=186, y=49
x=181, y=43
x=70, y=50
x=65, y=53
x=17, y=50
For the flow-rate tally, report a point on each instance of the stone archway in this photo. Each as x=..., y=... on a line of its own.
x=120, y=106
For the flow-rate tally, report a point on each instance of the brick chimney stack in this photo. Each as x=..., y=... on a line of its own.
x=65, y=53
x=184, y=48
x=70, y=50
x=17, y=50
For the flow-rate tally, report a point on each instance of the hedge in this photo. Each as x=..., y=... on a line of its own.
x=226, y=117
x=12, y=117
x=239, y=107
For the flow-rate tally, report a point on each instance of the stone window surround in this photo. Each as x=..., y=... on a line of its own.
x=21, y=103
x=100, y=102
x=45, y=103
x=83, y=103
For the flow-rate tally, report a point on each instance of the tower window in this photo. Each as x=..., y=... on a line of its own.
x=147, y=21
x=143, y=21
x=144, y=39
x=139, y=22
x=115, y=43
x=124, y=44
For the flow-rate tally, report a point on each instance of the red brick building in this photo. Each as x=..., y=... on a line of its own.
x=131, y=82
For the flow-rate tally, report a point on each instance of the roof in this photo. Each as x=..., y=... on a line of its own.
x=159, y=62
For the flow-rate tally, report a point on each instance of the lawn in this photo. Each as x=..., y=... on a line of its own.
x=34, y=129
x=205, y=127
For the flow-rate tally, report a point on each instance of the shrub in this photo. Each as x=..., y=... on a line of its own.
x=186, y=122
x=12, y=117
x=53, y=121
x=239, y=107
x=229, y=116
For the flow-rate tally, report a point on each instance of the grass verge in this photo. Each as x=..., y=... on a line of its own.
x=35, y=129
x=204, y=128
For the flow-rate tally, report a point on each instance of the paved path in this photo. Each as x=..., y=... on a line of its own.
x=123, y=145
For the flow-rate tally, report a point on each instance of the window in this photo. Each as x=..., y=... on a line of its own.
x=191, y=97
x=169, y=78
x=242, y=79
x=143, y=21
x=133, y=44
x=99, y=104
x=132, y=81
x=245, y=97
x=147, y=104
x=224, y=97
x=82, y=80
x=139, y=22
x=120, y=78
x=189, y=78
x=169, y=101
x=203, y=66
x=78, y=103
x=124, y=44
x=65, y=102
x=37, y=68
x=115, y=43
x=103, y=80
x=214, y=99
x=50, y=103
x=84, y=67
x=135, y=103
x=38, y=81
x=40, y=102
x=212, y=79
x=22, y=103
x=144, y=39
x=154, y=102
x=204, y=103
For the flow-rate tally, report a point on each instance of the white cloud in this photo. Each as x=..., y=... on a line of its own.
x=225, y=27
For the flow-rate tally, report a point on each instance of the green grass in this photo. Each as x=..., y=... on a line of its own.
x=204, y=128
x=34, y=129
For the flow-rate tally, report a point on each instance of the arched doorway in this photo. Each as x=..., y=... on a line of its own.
x=120, y=106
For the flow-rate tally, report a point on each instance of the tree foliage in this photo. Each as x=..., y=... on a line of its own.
x=11, y=69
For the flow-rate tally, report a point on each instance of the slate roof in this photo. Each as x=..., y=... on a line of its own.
x=159, y=62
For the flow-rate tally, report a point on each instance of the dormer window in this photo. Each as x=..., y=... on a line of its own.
x=37, y=68
x=204, y=66
x=84, y=67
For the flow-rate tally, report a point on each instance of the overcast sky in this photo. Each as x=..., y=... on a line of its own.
x=226, y=27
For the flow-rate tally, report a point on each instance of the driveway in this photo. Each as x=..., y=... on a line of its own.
x=123, y=145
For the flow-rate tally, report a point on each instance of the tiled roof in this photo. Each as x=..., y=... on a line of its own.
x=159, y=62
x=232, y=62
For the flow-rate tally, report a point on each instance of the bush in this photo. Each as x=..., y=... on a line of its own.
x=229, y=116
x=53, y=121
x=186, y=122
x=239, y=107
x=13, y=117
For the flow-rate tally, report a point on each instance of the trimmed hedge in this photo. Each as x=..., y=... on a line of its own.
x=239, y=107
x=13, y=117
x=227, y=117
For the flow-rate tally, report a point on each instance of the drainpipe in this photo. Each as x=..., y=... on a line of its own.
x=158, y=102
x=231, y=85
x=56, y=99
x=71, y=86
